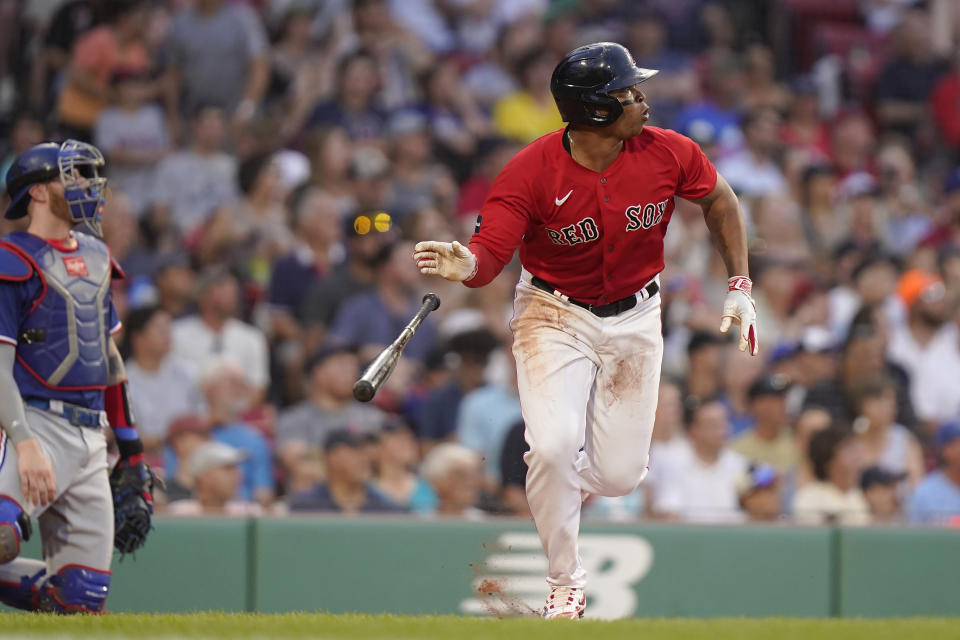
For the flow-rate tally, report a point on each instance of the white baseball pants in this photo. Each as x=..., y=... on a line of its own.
x=588, y=391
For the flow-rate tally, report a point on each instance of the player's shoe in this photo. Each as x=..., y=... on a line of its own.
x=565, y=602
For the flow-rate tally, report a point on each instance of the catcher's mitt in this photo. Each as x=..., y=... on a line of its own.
x=132, y=487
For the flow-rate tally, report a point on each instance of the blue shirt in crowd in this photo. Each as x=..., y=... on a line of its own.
x=935, y=500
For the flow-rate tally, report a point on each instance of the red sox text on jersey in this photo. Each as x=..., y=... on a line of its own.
x=596, y=236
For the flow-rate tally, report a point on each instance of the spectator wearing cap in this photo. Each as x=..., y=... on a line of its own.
x=132, y=134
x=228, y=396
x=467, y=354
x=758, y=490
x=185, y=435
x=191, y=184
x=215, y=331
x=369, y=239
x=809, y=361
x=927, y=348
x=881, y=488
x=375, y=318
x=697, y=483
x=456, y=475
x=936, y=500
x=396, y=458
x=835, y=496
x=119, y=43
x=769, y=440
x=214, y=469
x=347, y=486
x=217, y=51
x=885, y=443
x=329, y=405
x=162, y=387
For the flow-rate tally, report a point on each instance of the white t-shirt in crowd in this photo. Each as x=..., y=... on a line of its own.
x=196, y=343
x=933, y=369
x=160, y=397
x=697, y=491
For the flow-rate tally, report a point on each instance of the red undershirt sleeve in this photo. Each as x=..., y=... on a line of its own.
x=502, y=221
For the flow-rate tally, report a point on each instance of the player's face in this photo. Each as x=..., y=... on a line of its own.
x=636, y=111
x=58, y=202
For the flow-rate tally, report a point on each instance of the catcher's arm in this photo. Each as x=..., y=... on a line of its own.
x=132, y=479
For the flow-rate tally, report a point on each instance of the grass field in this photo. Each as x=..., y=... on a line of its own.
x=366, y=627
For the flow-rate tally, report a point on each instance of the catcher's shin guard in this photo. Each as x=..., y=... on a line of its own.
x=18, y=583
x=75, y=589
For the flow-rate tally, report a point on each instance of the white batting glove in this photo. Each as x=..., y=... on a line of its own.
x=450, y=260
x=740, y=308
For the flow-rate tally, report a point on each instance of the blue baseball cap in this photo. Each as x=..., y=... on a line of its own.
x=946, y=434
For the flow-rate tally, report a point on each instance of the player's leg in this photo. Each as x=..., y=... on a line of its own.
x=623, y=401
x=554, y=377
x=77, y=533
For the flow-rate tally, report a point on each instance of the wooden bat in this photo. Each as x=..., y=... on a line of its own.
x=380, y=369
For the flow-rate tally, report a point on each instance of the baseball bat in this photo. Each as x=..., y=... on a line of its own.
x=380, y=369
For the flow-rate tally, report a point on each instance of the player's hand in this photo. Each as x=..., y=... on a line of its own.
x=37, y=480
x=739, y=308
x=450, y=260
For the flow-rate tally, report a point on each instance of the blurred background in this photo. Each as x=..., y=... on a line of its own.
x=272, y=162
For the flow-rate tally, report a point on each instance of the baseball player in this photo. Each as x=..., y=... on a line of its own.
x=61, y=383
x=588, y=206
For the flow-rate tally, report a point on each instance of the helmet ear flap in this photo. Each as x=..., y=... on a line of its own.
x=591, y=104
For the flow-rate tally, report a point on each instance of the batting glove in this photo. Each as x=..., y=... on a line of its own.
x=740, y=308
x=452, y=261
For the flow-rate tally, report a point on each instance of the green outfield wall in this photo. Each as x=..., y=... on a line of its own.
x=496, y=568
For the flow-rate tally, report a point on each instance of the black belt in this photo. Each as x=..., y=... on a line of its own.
x=601, y=310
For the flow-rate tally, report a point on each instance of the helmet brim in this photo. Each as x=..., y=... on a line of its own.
x=639, y=75
x=18, y=204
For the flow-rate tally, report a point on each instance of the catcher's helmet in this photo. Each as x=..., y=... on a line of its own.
x=78, y=166
x=583, y=79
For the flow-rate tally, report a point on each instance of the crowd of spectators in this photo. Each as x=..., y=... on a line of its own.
x=271, y=163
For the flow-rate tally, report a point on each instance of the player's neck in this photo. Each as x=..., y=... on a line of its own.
x=593, y=150
x=49, y=227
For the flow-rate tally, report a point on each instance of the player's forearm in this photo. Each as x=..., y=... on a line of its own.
x=488, y=266
x=721, y=210
x=116, y=402
x=12, y=417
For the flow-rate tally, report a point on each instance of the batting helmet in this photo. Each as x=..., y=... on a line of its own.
x=78, y=166
x=581, y=83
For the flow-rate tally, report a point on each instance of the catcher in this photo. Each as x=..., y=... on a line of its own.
x=62, y=382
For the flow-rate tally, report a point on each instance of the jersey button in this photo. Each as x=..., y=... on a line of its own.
x=603, y=181
x=609, y=248
x=606, y=198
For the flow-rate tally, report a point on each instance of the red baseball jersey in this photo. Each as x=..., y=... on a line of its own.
x=596, y=237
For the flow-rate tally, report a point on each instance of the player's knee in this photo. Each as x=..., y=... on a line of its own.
x=553, y=453
x=620, y=481
x=76, y=589
x=14, y=527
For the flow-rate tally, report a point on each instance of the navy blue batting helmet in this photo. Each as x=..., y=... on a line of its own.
x=34, y=166
x=581, y=83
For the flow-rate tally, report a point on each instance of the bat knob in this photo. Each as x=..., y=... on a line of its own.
x=434, y=300
x=363, y=390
